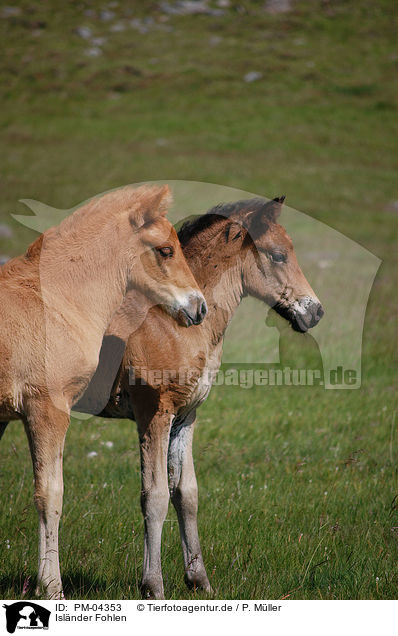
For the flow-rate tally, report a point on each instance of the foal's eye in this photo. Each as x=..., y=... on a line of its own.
x=166, y=251
x=278, y=257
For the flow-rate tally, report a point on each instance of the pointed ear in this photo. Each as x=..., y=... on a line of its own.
x=274, y=208
x=234, y=231
x=151, y=203
x=258, y=220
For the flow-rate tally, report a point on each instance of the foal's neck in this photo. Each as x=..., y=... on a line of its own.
x=219, y=277
x=84, y=276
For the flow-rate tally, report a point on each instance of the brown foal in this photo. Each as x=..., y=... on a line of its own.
x=234, y=250
x=56, y=302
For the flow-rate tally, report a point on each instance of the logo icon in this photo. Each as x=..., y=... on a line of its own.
x=26, y=615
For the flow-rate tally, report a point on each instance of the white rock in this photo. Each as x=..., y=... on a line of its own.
x=106, y=15
x=10, y=12
x=214, y=40
x=118, y=27
x=98, y=41
x=393, y=206
x=252, y=76
x=189, y=7
x=278, y=6
x=5, y=231
x=93, y=51
x=84, y=32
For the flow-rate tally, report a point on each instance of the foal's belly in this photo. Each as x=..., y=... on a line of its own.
x=201, y=389
x=198, y=395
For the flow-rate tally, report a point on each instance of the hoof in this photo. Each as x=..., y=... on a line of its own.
x=198, y=581
x=50, y=592
x=152, y=588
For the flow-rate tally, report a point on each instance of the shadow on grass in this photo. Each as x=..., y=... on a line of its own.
x=76, y=585
x=15, y=587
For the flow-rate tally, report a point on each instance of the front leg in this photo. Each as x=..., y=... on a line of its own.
x=154, y=440
x=184, y=495
x=46, y=428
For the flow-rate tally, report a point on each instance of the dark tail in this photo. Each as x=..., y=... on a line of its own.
x=3, y=426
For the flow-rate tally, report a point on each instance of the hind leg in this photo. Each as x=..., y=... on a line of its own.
x=46, y=428
x=184, y=495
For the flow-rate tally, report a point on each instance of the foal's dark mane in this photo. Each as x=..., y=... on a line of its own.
x=218, y=214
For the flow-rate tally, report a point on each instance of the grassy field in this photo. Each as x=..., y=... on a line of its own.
x=298, y=486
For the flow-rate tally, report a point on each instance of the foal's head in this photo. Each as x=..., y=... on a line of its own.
x=270, y=270
x=161, y=271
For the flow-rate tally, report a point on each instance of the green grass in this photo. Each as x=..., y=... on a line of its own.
x=297, y=486
x=290, y=504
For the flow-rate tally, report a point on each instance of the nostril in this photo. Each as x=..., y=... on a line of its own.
x=319, y=312
x=203, y=309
